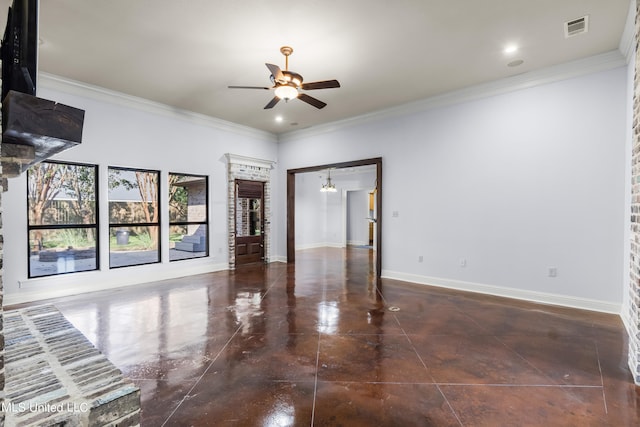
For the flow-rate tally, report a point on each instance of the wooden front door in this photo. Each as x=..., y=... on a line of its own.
x=249, y=222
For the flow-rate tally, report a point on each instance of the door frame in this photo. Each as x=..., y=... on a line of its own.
x=291, y=204
x=262, y=185
x=252, y=169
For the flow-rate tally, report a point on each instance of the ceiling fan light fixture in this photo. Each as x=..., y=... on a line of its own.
x=286, y=92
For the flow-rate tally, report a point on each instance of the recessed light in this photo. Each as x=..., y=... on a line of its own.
x=278, y=119
x=512, y=48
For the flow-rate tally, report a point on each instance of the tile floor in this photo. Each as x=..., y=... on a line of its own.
x=319, y=345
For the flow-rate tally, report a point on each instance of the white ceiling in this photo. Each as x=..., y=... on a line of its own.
x=184, y=53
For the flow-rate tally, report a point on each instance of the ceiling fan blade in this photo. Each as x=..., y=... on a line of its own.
x=311, y=100
x=275, y=72
x=248, y=87
x=327, y=84
x=272, y=103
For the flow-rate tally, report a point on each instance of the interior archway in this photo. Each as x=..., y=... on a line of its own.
x=291, y=204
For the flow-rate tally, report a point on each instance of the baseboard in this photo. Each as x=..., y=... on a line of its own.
x=82, y=282
x=319, y=245
x=520, y=294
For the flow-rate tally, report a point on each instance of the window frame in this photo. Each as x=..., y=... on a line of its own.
x=157, y=224
x=95, y=225
x=187, y=223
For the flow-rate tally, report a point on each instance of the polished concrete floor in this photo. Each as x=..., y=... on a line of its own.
x=324, y=344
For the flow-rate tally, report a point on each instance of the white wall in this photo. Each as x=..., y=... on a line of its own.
x=311, y=220
x=513, y=184
x=321, y=218
x=357, y=214
x=122, y=131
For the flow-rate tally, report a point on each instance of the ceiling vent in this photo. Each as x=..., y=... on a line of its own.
x=576, y=26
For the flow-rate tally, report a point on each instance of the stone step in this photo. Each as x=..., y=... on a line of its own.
x=191, y=244
x=192, y=239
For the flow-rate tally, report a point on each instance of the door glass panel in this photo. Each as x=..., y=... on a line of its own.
x=248, y=217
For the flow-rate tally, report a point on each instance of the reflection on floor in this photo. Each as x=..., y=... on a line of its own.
x=317, y=344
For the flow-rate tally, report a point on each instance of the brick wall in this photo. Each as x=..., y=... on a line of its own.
x=252, y=170
x=633, y=319
x=1, y=304
x=242, y=217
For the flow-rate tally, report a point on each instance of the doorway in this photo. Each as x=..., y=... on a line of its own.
x=249, y=221
x=291, y=210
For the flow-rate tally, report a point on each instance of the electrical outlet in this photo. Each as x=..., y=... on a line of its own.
x=395, y=214
x=420, y=258
x=463, y=262
x=552, y=272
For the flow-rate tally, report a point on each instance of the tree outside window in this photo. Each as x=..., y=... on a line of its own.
x=63, y=218
x=134, y=217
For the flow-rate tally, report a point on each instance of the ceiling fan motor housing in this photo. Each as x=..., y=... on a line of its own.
x=290, y=77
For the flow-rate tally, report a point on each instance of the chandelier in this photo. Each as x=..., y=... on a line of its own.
x=328, y=187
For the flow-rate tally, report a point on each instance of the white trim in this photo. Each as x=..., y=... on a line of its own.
x=580, y=67
x=606, y=61
x=627, y=41
x=72, y=87
x=521, y=294
x=83, y=282
x=318, y=245
x=236, y=159
x=357, y=243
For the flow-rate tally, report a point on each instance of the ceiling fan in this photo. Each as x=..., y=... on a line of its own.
x=288, y=84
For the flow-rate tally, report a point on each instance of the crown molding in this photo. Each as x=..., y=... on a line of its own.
x=627, y=44
x=236, y=159
x=602, y=62
x=72, y=87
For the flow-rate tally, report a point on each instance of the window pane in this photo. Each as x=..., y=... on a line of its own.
x=133, y=246
x=187, y=241
x=62, y=218
x=133, y=196
x=188, y=207
x=248, y=217
x=187, y=198
x=61, y=250
x=60, y=194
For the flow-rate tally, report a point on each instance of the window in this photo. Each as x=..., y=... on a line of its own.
x=134, y=217
x=63, y=218
x=188, y=218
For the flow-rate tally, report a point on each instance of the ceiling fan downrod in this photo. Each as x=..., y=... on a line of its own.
x=286, y=51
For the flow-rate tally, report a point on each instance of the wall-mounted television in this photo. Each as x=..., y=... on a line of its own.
x=19, y=52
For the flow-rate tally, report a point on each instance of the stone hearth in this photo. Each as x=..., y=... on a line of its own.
x=55, y=376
